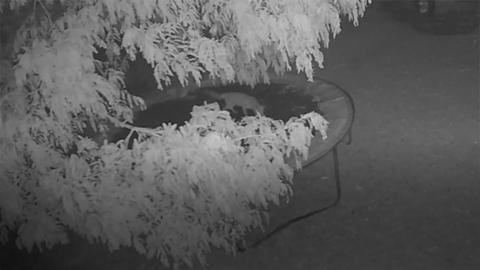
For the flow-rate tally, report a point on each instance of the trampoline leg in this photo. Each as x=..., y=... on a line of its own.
x=349, y=137
x=336, y=172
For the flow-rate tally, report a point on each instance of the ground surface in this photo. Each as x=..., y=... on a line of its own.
x=410, y=178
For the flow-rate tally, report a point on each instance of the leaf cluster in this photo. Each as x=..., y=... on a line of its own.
x=177, y=190
x=175, y=193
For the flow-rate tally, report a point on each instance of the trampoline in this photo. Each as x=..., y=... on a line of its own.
x=336, y=105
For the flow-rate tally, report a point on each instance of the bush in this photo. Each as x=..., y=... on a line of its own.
x=178, y=189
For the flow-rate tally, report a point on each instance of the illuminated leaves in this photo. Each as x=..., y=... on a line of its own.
x=175, y=191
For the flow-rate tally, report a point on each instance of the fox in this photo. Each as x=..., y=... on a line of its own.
x=237, y=99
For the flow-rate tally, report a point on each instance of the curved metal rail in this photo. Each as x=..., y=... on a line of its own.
x=341, y=114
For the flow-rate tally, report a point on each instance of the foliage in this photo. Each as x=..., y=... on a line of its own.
x=177, y=190
x=174, y=193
